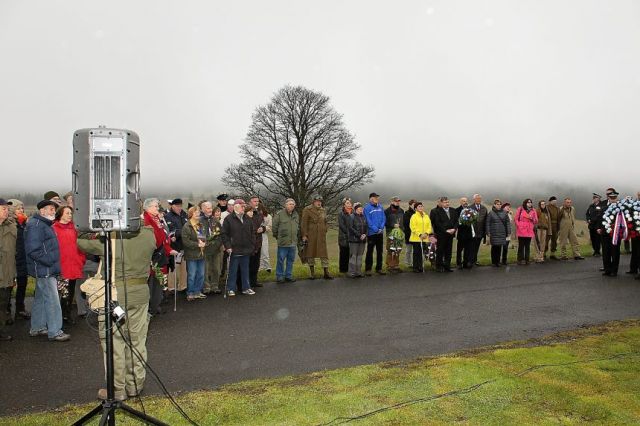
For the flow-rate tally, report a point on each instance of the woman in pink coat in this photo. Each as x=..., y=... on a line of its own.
x=525, y=220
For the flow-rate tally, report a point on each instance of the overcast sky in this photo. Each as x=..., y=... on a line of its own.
x=447, y=91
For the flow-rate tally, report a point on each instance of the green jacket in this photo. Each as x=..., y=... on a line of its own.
x=8, y=236
x=213, y=231
x=286, y=228
x=190, y=242
x=138, y=250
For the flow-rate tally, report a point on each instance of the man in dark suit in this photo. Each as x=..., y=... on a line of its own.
x=610, y=252
x=445, y=222
x=464, y=247
x=479, y=226
x=593, y=213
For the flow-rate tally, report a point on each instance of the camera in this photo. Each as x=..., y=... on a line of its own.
x=118, y=314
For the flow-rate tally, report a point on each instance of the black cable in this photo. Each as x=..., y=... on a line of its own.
x=469, y=389
x=155, y=375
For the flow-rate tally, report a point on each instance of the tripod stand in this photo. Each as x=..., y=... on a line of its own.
x=107, y=408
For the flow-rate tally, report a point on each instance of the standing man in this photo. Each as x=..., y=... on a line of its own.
x=314, y=235
x=406, y=222
x=593, y=212
x=464, y=247
x=176, y=218
x=374, y=213
x=222, y=202
x=552, y=236
x=286, y=228
x=260, y=228
x=238, y=237
x=394, y=216
x=8, y=238
x=634, y=265
x=567, y=230
x=445, y=222
x=610, y=252
x=479, y=226
x=43, y=264
x=212, y=230
x=53, y=196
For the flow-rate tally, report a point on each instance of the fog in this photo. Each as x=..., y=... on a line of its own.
x=450, y=97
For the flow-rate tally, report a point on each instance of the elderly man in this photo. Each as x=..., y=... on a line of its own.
x=610, y=251
x=212, y=229
x=444, y=220
x=238, y=237
x=43, y=264
x=286, y=229
x=8, y=237
x=464, y=247
x=374, y=213
x=552, y=236
x=222, y=202
x=314, y=235
x=567, y=230
x=479, y=227
x=175, y=219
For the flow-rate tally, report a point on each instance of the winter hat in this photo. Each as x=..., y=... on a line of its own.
x=50, y=194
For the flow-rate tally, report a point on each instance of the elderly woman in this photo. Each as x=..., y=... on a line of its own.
x=194, y=238
x=497, y=229
x=160, y=259
x=357, y=237
x=344, y=222
x=17, y=208
x=71, y=258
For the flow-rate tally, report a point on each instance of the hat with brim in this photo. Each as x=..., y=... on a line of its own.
x=222, y=197
x=45, y=203
x=596, y=195
x=15, y=203
x=373, y=194
x=175, y=202
x=4, y=202
x=317, y=197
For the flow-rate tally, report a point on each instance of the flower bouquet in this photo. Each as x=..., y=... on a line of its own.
x=468, y=217
x=396, y=241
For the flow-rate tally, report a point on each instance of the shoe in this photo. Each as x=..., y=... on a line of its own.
x=630, y=272
x=564, y=258
x=216, y=291
x=280, y=281
x=117, y=395
x=448, y=270
x=191, y=298
x=5, y=337
x=353, y=276
x=60, y=337
x=23, y=314
x=367, y=273
x=258, y=285
x=206, y=291
x=460, y=267
x=290, y=280
x=578, y=258
x=601, y=269
x=381, y=272
x=596, y=254
x=200, y=296
x=496, y=265
x=37, y=333
x=248, y=292
x=359, y=276
x=132, y=393
x=231, y=293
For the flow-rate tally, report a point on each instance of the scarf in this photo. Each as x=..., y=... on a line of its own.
x=348, y=210
x=158, y=230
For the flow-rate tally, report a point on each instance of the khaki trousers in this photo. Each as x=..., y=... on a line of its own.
x=324, y=261
x=568, y=233
x=180, y=274
x=541, y=245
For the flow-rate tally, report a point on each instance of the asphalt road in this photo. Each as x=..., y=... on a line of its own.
x=315, y=325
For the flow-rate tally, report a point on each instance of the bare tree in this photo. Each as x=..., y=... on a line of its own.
x=297, y=146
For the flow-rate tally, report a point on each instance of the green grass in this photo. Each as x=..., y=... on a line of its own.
x=586, y=376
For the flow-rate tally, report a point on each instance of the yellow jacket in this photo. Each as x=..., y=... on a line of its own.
x=419, y=224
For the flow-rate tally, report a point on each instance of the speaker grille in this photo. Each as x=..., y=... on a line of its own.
x=106, y=171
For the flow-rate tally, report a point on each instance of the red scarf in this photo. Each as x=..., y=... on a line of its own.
x=158, y=230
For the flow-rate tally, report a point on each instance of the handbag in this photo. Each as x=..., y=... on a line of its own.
x=94, y=287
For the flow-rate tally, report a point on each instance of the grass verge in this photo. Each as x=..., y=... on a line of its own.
x=585, y=375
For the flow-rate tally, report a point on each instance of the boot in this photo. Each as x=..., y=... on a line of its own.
x=326, y=274
x=312, y=272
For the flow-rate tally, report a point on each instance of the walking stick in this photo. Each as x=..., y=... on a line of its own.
x=226, y=280
x=422, y=250
x=175, y=288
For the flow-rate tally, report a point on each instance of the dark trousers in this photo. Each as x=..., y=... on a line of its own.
x=5, y=298
x=344, y=259
x=627, y=246
x=376, y=242
x=505, y=252
x=596, y=240
x=496, y=251
x=443, y=251
x=610, y=255
x=254, y=267
x=477, y=242
x=67, y=302
x=21, y=291
x=418, y=258
x=155, y=294
x=464, y=252
x=634, y=266
x=524, y=248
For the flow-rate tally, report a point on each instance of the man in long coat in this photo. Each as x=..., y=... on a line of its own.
x=314, y=235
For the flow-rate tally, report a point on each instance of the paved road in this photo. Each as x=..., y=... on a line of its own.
x=314, y=325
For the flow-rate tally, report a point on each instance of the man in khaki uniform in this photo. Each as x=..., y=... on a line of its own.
x=129, y=372
x=314, y=234
x=567, y=230
x=8, y=236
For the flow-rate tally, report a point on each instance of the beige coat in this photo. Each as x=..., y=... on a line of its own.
x=314, y=227
x=566, y=218
x=8, y=235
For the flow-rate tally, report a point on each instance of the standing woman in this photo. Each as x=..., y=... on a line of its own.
x=542, y=230
x=497, y=228
x=21, y=259
x=194, y=240
x=267, y=221
x=526, y=219
x=160, y=258
x=71, y=258
x=421, y=230
x=344, y=241
x=357, y=237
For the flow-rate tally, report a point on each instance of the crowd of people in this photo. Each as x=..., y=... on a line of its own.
x=219, y=248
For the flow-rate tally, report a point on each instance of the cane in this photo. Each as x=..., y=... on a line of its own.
x=226, y=281
x=175, y=289
x=422, y=258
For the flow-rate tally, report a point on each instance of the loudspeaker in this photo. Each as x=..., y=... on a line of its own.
x=106, y=180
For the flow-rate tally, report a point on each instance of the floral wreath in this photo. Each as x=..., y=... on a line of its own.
x=625, y=216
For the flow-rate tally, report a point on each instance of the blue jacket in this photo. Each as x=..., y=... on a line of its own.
x=41, y=248
x=376, y=218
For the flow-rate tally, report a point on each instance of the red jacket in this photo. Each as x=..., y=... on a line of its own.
x=162, y=239
x=71, y=258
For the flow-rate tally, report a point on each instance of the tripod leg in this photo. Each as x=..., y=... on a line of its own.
x=108, y=415
x=89, y=415
x=141, y=416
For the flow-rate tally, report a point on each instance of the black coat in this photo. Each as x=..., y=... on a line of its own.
x=393, y=217
x=406, y=221
x=21, y=257
x=239, y=235
x=344, y=221
x=357, y=226
x=175, y=223
x=464, y=231
x=441, y=222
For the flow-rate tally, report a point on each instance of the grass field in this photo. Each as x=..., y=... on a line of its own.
x=584, y=376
